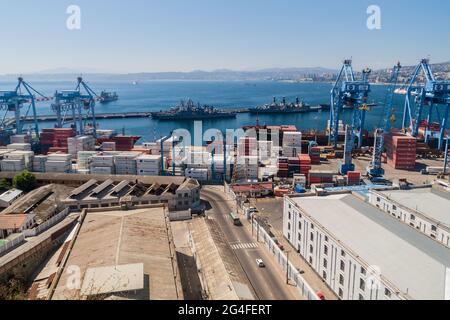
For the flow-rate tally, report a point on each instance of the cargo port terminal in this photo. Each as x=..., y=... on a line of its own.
x=238, y=202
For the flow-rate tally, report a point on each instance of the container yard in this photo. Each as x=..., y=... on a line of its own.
x=292, y=158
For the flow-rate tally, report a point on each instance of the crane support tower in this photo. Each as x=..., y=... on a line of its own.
x=14, y=101
x=347, y=165
x=375, y=170
x=349, y=93
x=76, y=101
x=427, y=97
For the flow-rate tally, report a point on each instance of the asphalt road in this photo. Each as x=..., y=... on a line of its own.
x=269, y=283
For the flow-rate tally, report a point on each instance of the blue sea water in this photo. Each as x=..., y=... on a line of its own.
x=161, y=95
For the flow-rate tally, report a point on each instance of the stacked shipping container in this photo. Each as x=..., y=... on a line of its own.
x=319, y=177
x=400, y=151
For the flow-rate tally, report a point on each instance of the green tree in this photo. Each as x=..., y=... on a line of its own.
x=4, y=185
x=25, y=181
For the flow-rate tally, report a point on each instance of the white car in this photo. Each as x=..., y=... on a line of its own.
x=260, y=263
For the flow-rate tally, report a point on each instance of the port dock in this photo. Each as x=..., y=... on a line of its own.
x=112, y=115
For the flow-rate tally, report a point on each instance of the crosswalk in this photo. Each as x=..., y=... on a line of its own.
x=243, y=246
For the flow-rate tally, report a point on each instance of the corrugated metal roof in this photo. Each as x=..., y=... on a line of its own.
x=427, y=201
x=10, y=195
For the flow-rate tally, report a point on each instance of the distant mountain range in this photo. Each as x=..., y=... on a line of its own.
x=222, y=74
x=442, y=71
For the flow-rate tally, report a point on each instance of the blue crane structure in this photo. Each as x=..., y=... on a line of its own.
x=375, y=169
x=75, y=101
x=349, y=93
x=430, y=94
x=15, y=100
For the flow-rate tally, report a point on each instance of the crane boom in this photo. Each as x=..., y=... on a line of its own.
x=430, y=94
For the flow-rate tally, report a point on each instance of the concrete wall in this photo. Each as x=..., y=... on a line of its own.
x=26, y=262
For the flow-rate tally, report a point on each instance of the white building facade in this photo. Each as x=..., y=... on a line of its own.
x=347, y=272
x=347, y=275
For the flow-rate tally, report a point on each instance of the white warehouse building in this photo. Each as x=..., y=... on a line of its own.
x=363, y=253
x=426, y=209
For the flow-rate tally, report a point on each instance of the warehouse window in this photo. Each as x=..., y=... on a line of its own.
x=325, y=263
x=299, y=237
x=342, y=265
x=326, y=238
x=312, y=226
x=311, y=249
x=378, y=199
x=413, y=217
x=289, y=226
x=394, y=207
x=433, y=228
x=362, y=284
x=341, y=279
x=363, y=271
x=324, y=275
x=325, y=250
x=289, y=215
x=312, y=236
x=310, y=260
x=341, y=293
x=343, y=253
x=300, y=226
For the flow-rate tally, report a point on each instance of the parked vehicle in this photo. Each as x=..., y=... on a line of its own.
x=321, y=296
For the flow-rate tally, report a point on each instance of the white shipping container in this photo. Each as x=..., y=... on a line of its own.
x=101, y=170
x=19, y=146
x=59, y=157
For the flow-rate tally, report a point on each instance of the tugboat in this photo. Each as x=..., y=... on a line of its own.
x=283, y=107
x=106, y=97
x=189, y=111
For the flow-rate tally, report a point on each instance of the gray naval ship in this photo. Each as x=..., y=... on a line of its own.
x=190, y=111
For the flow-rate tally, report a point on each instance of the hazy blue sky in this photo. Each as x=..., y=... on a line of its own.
x=183, y=35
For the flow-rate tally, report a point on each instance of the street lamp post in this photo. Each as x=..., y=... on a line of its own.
x=287, y=267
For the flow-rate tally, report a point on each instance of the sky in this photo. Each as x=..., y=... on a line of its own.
x=131, y=36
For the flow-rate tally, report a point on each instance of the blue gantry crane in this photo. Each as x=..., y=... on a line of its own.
x=74, y=102
x=428, y=95
x=375, y=169
x=349, y=93
x=15, y=100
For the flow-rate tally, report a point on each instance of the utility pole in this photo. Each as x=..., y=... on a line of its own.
x=257, y=231
x=287, y=267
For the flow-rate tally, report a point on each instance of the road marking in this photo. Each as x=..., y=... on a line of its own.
x=243, y=246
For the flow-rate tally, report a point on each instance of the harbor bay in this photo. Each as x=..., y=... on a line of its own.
x=155, y=96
